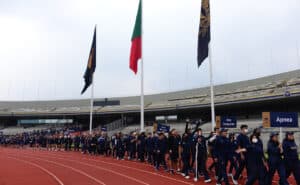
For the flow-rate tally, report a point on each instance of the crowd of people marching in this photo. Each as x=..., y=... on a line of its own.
x=187, y=154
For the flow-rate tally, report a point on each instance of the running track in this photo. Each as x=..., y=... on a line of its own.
x=36, y=167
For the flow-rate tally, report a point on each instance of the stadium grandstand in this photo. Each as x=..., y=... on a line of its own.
x=246, y=100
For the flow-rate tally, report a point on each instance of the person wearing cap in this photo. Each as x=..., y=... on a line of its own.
x=275, y=161
x=291, y=159
x=223, y=151
x=242, y=142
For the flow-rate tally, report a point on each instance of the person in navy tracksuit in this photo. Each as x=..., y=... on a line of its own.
x=120, y=150
x=201, y=151
x=212, y=149
x=155, y=146
x=255, y=163
x=242, y=142
x=132, y=145
x=160, y=150
x=186, y=155
x=149, y=148
x=141, y=142
x=275, y=161
x=222, y=152
x=291, y=159
x=233, y=155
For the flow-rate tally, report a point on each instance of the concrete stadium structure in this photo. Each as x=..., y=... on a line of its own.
x=246, y=100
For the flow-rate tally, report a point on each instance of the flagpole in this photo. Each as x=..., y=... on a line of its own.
x=142, y=73
x=212, y=101
x=92, y=107
x=212, y=95
x=92, y=92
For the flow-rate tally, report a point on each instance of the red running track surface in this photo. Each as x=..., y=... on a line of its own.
x=39, y=167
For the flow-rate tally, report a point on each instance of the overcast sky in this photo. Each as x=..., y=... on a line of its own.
x=44, y=45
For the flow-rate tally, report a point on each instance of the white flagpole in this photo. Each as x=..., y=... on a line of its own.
x=212, y=101
x=92, y=106
x=142, y=73
x=212, y=95
x=92, y=92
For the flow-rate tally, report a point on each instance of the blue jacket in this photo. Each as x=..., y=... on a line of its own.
x=223, y=147
x=290, y=151
x=255, y=156
x=274, y=152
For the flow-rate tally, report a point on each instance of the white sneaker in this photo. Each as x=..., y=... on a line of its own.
x=195, y=179
x=235, y=182
x=218, y=184
x=207, y=181
x=183, y=174
x=187, y=177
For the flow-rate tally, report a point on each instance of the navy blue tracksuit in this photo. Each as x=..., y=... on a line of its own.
x=160, y=150
x=149, y=149
x=291, y=160
x=186, y=154
x=141, y=147
x=275, y=162
x=233, y=156
x=202, y=156
x=255, y=166
x=222, y=151
x=242, y=142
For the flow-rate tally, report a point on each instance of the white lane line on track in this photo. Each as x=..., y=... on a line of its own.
x=41, y=168
x=127, y=167
x=71, y=168
x=100, y=168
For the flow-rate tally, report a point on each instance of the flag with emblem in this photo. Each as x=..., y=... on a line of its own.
x=91, y=66
x=136, y=41
x=204, y=32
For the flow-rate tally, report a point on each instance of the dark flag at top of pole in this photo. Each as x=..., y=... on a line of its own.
x=204, y=32
x=91, y=66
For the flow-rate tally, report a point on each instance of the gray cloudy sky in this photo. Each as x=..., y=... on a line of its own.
x=44, y=45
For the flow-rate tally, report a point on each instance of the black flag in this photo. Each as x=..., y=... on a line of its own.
x=91, y=66
x=204, y=32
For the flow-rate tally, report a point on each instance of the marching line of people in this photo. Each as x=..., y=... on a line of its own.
x=188, y=154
